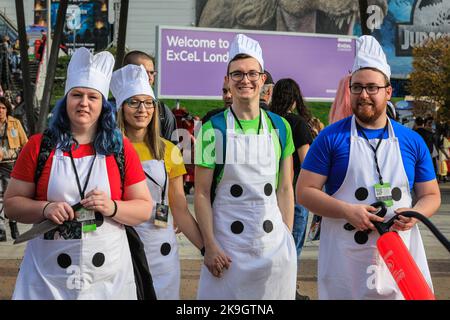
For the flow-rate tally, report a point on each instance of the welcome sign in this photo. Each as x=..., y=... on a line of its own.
x=192, y=62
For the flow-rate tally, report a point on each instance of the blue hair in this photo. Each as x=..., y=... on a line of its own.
x=108, y=139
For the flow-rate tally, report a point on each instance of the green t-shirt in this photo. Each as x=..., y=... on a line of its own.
x=205, y=153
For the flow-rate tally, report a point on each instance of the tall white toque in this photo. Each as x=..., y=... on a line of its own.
x=370, y=54
x=90, y=71
x=129, y=81
x=243, y=44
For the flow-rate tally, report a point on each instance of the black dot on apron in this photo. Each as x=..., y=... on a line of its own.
x=268, y=226
x=98, y=219
x=361, y=194
x=165, y=249
x=64, y=260
x=236, y=190
x=396, y=194
x=361, y=237
x=98, y=260
x=237, y=227
x=268, y=189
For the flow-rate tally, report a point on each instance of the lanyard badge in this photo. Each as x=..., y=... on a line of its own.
x=161, y=209
x=382, y=189
x=161, y=215
x=383, y=193
x=84, y=216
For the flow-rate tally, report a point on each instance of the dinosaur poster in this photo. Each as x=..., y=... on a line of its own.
x=399, y=25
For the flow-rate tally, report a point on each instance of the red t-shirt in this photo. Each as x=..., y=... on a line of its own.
x=26, y=163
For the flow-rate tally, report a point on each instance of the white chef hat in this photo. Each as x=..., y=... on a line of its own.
x=90, y=71
x=243, y=44
x=129, y=81
x=369, y=54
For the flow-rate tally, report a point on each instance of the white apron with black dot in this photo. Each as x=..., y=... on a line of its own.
x=351, y=270
x=97, y=266
x=160, y=244
x=248, y=224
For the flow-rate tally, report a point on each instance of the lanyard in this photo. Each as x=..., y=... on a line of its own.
x=163, y=195
x=239, y=123
x=82, y=191
x=374, y=149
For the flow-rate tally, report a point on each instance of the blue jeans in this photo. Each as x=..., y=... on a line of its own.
x=299, y=227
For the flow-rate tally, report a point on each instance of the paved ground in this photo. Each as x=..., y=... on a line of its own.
x=438, y=259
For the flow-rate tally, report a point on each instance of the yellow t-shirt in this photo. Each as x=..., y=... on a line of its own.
x=173, y=160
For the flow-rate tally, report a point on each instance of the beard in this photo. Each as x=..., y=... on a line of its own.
x=366, y=111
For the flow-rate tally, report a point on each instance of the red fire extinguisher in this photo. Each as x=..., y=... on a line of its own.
x=395, y=254
x=402, y=266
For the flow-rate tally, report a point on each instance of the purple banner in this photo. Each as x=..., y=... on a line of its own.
x=192, y=62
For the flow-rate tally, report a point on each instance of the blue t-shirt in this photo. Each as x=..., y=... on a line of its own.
x=330, y=151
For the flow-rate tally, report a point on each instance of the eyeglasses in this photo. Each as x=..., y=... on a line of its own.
x=152, y=73
x=251, y=75
x=136, y=104
x=370, y=89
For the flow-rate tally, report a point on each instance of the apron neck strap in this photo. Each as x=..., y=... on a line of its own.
x=232, y=118
x=354, y=128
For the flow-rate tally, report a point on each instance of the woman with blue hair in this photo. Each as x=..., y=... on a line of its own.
x=86, y=256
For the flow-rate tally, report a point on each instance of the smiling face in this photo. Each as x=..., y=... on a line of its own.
x=369, y=109
x=138, y=118
x=245, y=90
x=84, y=106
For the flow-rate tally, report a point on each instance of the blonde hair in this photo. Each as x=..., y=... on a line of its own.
x=152, y=138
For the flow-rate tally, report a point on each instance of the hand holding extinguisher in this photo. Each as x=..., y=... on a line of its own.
x=395, y=254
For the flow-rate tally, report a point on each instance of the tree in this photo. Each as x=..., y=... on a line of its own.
x=430, y=79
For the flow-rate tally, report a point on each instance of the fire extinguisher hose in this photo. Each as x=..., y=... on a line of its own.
x=442, y=239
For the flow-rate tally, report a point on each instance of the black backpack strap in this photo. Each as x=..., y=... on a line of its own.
x=47, y=145
x=142, y=275
x=120, y=160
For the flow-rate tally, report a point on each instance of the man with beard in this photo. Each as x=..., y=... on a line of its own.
x=363, y=159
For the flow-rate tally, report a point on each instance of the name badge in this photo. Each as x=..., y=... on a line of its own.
x=383, y=193
x=161, y=215
x=13, y=133
x=87, y=218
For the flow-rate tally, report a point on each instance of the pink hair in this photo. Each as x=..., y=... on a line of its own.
x=341, y=107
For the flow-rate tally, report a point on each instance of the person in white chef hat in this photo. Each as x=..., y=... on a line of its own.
x=79, y=188
x=245, y=204
x=363, y=159
x=164, y=168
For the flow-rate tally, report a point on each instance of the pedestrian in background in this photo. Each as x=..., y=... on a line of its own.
x=13, y=138
x=287, y=101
